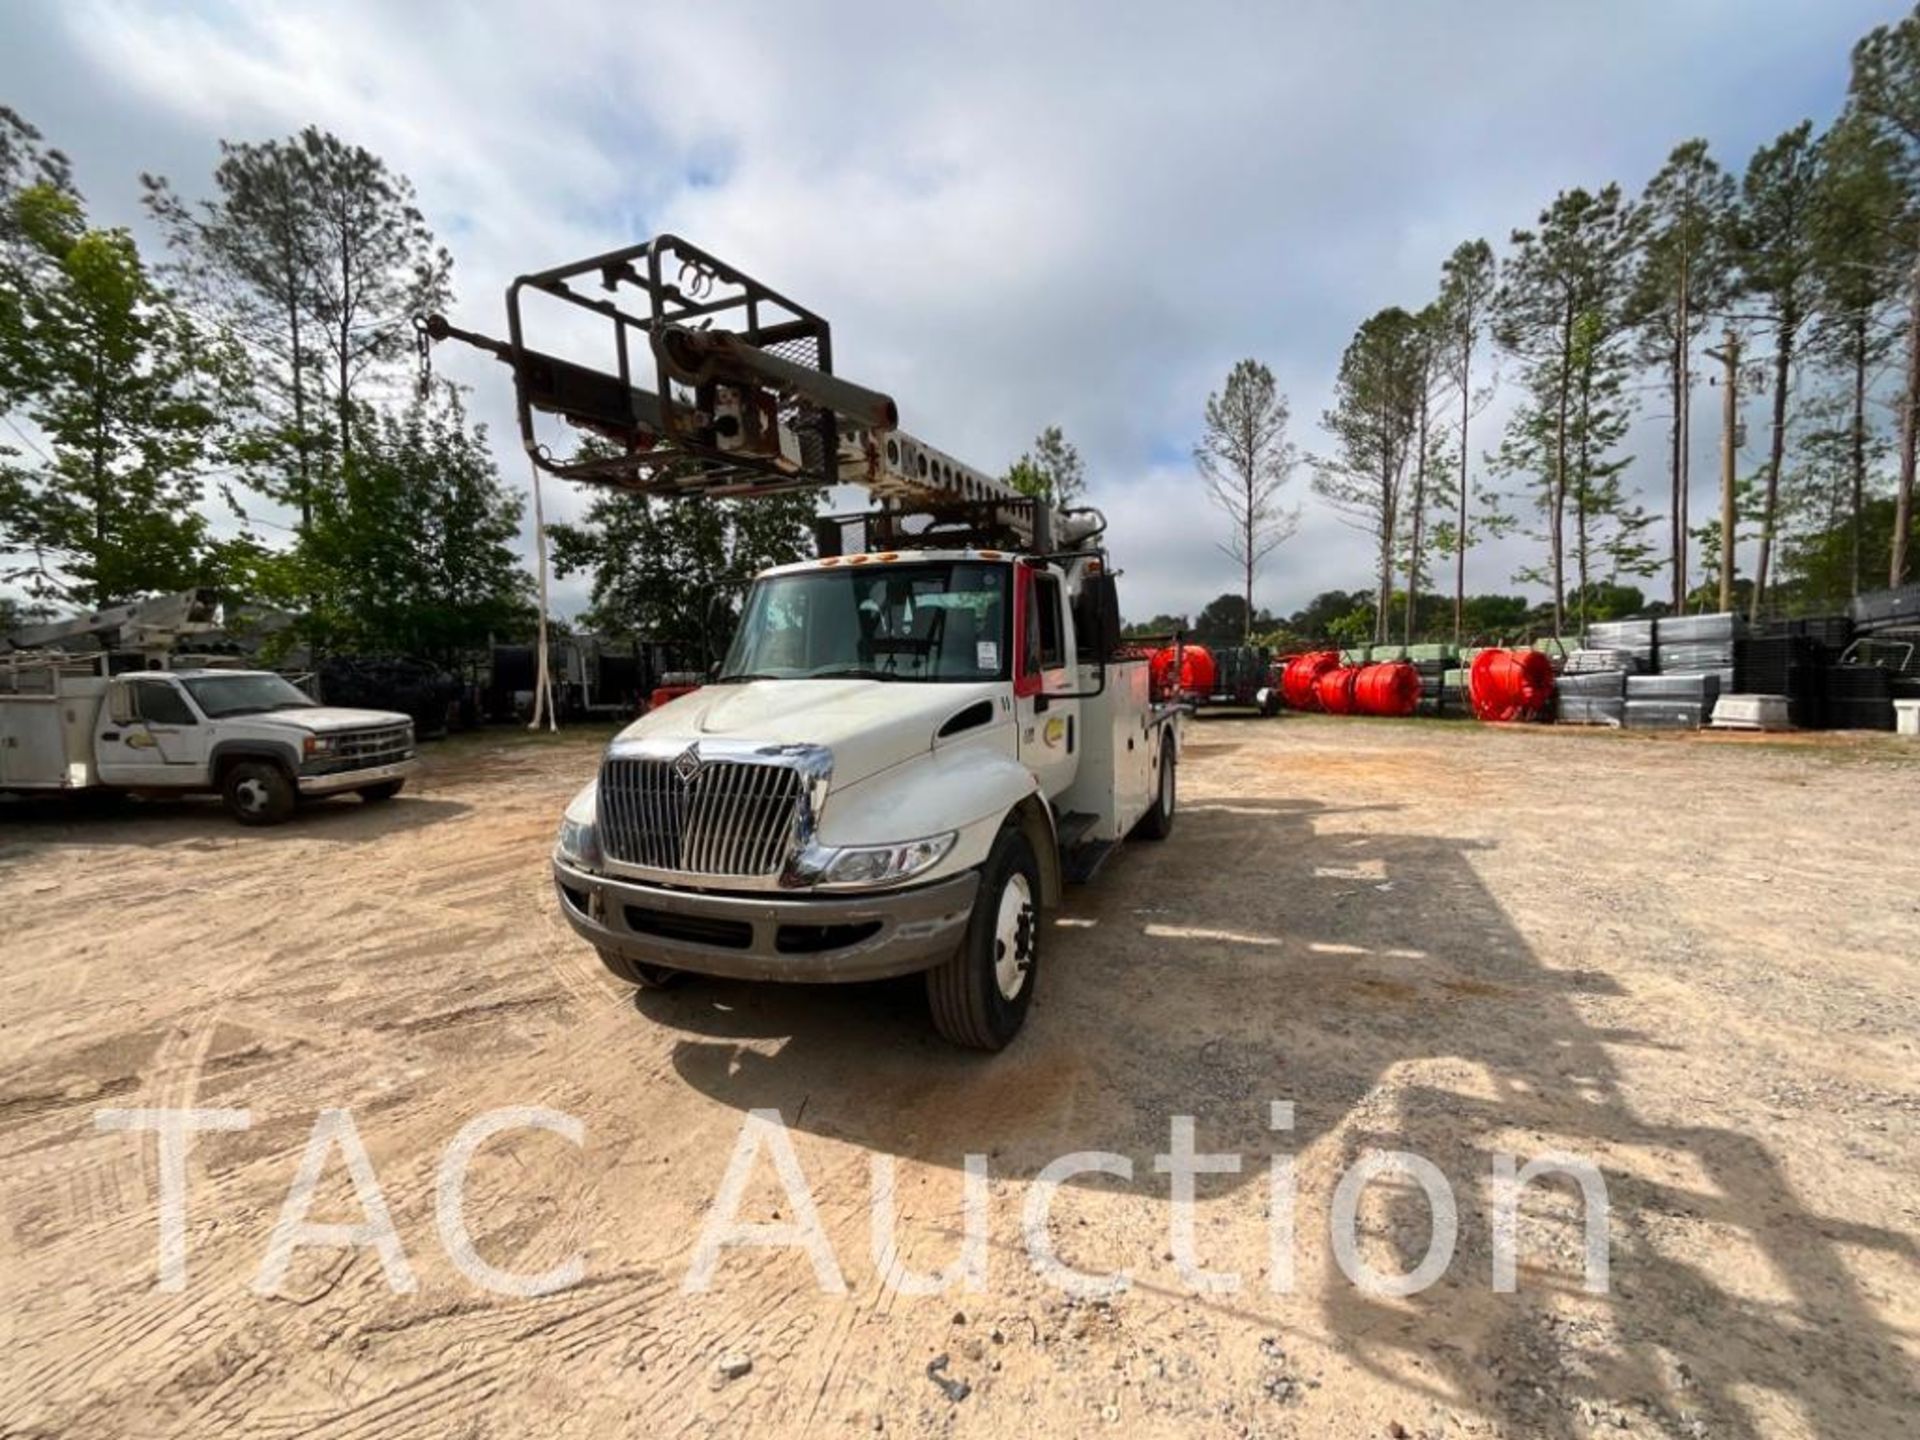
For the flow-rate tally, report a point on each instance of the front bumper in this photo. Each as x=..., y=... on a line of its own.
x=354, y=779
x=816, y=938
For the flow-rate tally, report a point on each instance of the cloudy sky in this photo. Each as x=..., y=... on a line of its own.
x=1013, y=214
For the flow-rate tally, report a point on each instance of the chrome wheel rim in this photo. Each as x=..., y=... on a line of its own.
x=1013, y=937
x=1166, y=785
x=252, y=795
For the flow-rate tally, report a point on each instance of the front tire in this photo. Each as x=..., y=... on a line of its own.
x=258, y=792
x=1157, y=823
x=981, y=996
x=639, y=973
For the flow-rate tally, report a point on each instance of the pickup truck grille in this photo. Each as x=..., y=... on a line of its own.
x=727, y=817
x=364, y=749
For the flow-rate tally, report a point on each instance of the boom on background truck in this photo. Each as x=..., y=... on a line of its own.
x=913, y=742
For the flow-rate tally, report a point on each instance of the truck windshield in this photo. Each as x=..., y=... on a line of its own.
x=938, y=621
x=221, y=695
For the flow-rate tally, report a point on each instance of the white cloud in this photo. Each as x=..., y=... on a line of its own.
x=1013, y=215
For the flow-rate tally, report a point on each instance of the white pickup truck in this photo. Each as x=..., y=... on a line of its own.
x=248, y=735
x=901, y=760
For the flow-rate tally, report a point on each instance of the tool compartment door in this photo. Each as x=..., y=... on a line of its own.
x=33, y=744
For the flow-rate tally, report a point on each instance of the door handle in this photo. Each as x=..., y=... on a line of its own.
x=109, y=734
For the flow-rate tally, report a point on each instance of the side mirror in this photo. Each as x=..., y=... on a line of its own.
x=1096, y=619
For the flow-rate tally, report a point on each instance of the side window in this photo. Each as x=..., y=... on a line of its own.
x=162, y=704
x=1046, y=605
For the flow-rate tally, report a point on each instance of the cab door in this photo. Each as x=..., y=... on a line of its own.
x=149, y=734
x=1048, y=724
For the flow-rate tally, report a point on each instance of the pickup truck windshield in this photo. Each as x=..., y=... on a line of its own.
x=222, y=695
x=938, y=621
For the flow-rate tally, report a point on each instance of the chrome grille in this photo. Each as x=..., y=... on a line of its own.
x=375, y=747
x=363, y=749
x=728, y=818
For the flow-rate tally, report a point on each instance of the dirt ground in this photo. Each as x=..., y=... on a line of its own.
x=1692, y=961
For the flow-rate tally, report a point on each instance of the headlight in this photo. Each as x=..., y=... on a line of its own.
x=318, y=745
x=868, y=865
x=579, y=839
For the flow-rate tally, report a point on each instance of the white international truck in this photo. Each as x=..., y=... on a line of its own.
x=911, y=745
x=121, y=718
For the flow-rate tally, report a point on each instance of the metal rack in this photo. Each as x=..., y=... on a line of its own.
x=722, y=386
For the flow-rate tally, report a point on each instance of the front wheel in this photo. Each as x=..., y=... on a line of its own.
x=1157, y=823
x=980, y=997
x=258, y=792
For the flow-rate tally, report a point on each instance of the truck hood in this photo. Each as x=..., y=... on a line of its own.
x=325, y=719
x=867, y=724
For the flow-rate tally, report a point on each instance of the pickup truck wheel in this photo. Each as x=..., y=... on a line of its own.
x=638, y=972
x=258, y=792
x=385, y=790
x=1157, y=823
x=980, y=997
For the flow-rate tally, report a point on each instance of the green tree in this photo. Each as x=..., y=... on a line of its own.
x=675, y=570
x=1052, y=470
x=1375, y=420
x=1159, y=625
x=1682, y=275
x=1861, y=224
x=123, y=392
x=1431, y=489
x=1245, y=460
x=1885, y=90
x=1468, y=283
x=1223, y=621
x=1560, y=313
x=315, y=254
x=414, y=551
x=1774, y=247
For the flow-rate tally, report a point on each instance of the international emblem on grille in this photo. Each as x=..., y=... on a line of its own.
x=687, y=765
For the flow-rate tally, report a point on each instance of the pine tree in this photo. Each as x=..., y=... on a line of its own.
x=1245, y=460
x=1774, y=247
x=1561, y=314
x=1468, y=282
x=1683, y=274
x=1885, y=91
x=1375, y=423
x=1429, y=455
x=315, y=254
x=1052, y=470
x=1863, y=210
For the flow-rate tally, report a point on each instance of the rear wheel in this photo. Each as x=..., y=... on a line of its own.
x=385, y=790
x=258, y=792
x=980, y=997
x=1157, y=823
x=639, y=972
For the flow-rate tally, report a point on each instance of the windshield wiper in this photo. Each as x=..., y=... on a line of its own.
x=855, y=672
x=743, y=678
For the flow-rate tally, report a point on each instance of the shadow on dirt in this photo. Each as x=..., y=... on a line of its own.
x=88, y=821
x=1267, y=953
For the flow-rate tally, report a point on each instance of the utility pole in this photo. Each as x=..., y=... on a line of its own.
x=1728, y=355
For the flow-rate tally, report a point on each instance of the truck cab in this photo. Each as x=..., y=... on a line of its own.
x=902, y=758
